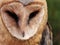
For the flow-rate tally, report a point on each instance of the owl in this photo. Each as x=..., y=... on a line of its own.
x=24, y=22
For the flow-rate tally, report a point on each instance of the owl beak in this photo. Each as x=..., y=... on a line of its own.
x=23, y=34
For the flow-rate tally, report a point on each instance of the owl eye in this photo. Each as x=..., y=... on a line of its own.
x=13, y=15
x=32, y=15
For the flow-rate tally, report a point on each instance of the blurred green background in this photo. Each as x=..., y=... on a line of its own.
x=54, y=19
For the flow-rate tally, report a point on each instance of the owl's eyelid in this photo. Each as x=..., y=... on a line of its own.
x=32, y=8
x=10, y=3
x=34, y=4
x=12, y=14
x=32, y=15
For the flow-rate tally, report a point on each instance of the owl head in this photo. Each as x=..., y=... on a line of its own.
x=23, y=18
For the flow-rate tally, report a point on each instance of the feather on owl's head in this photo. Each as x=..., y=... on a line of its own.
x=23, y=18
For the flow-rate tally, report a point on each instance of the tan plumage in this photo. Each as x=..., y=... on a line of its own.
x=24, y=31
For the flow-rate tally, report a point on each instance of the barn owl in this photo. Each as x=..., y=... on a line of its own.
x=24, y=22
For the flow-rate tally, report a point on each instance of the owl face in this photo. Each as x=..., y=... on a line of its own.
x=22, y=19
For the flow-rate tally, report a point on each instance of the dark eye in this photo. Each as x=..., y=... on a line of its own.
x=13, y=15
x=32, y=15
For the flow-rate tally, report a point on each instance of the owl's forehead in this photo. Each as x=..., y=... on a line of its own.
x=25, y=2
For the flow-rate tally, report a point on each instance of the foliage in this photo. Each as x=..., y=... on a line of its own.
x=54, y=19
